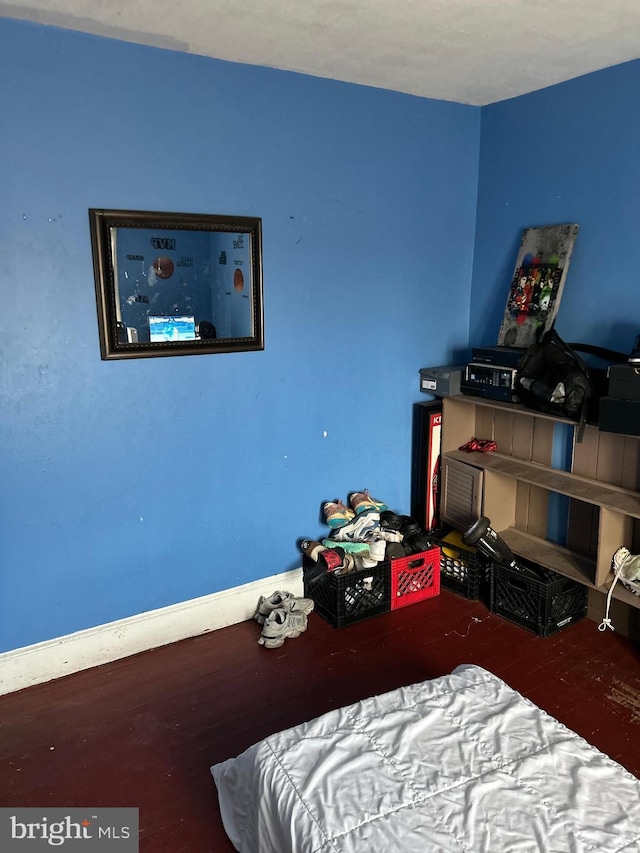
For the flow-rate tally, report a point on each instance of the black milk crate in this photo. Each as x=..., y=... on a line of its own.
x=345, y=599
x=544, y=604
x=464, y=571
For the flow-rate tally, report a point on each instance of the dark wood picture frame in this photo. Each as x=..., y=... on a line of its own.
x=177, y=283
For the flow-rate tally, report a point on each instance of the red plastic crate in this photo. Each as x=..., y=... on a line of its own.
x=415, y=578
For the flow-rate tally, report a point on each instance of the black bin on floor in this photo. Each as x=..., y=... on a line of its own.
x=543, y=602
x=345, y=599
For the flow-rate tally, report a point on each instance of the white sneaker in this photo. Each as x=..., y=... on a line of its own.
x=377, y=553
x=282, y=624
x=267, y=605
x=360, y=529
x=377, y=549
x=389, y=535
x=627, y=566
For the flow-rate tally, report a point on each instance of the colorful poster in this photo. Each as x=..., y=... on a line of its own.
x=538, y=281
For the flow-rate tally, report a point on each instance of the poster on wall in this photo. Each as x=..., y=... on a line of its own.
x=537, y=284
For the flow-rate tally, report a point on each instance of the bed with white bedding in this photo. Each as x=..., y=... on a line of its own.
x=459, y=763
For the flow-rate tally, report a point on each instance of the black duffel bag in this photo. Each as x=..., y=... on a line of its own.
x=552, y=378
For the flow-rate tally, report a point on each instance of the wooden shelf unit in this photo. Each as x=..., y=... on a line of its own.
x=600, y=489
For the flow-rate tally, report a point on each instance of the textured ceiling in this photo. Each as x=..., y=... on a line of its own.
x=470, y=51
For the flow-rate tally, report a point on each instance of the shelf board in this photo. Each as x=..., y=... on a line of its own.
x=514, y=408
x=622, y=594
x=562, y=482
x=550, y=555
x=576, y=566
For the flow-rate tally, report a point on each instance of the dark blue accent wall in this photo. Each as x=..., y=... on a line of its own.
x=127, y=486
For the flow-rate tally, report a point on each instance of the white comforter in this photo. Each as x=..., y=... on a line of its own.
x=461, y=763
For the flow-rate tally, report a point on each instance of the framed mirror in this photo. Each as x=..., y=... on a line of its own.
x=176, y=283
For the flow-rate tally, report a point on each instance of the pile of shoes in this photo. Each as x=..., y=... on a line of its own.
x=283, y=616
x=362, y=534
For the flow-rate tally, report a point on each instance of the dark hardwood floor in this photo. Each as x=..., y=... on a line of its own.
x=144, y=731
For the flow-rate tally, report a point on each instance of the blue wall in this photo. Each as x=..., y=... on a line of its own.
x=569, y=153
x=368, y=201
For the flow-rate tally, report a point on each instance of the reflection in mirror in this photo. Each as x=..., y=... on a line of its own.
x=177, y=284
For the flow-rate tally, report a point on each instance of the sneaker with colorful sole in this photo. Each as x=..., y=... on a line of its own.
x=362, y=501
x=337, y=514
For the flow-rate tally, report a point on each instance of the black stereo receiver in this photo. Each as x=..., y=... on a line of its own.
x=485, y=380
x=497, y=356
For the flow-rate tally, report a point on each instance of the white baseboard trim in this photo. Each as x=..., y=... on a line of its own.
x=51, y=659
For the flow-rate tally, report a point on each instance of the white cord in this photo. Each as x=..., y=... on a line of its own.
x=619, y=559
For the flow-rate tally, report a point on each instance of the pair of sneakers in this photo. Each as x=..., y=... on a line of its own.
x=337, y=514
x=283, y=616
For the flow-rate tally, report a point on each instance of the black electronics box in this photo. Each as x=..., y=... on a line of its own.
x=624, y=382
x=493, y=382
x=443, y=381
x=622, y=416
x=498, y=356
